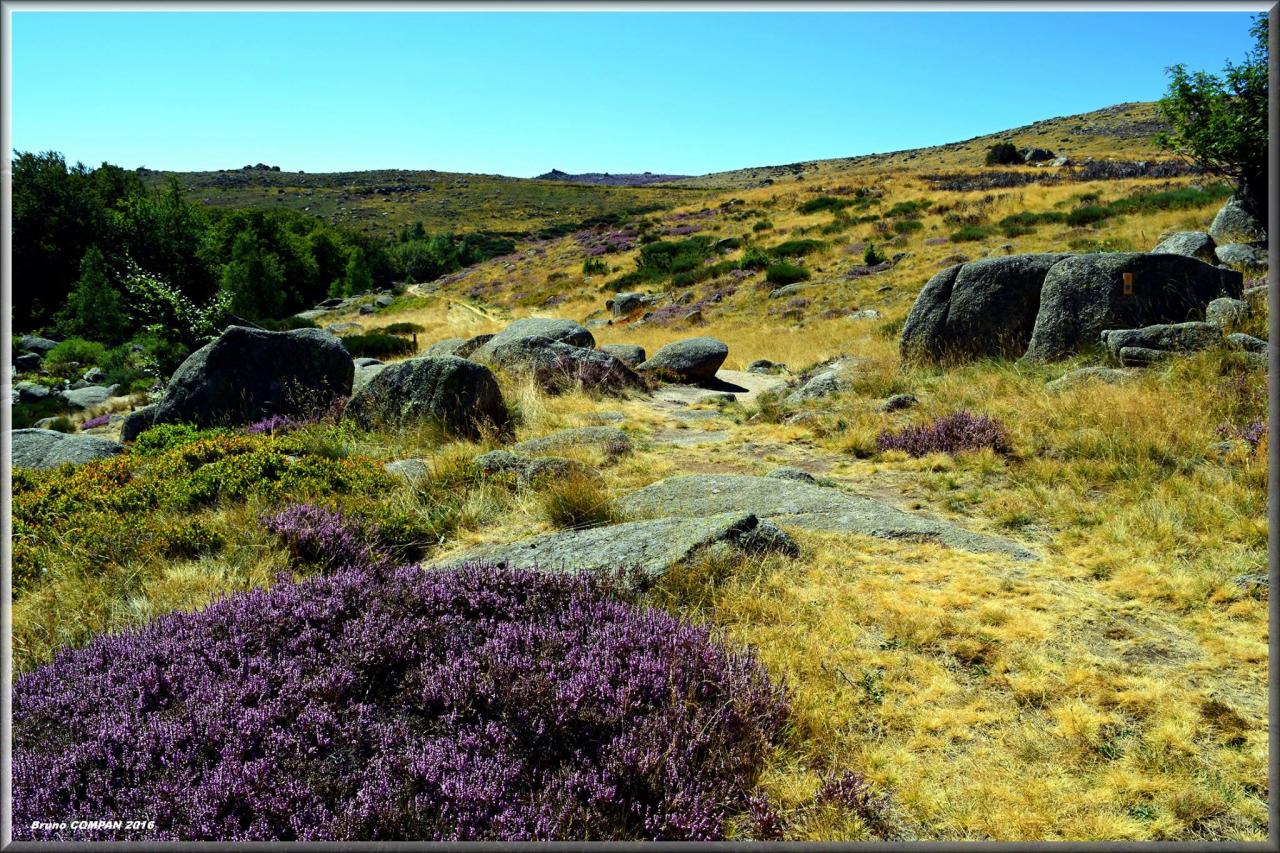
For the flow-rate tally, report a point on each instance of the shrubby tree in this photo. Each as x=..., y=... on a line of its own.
x=95, y=308
x=1220, y=122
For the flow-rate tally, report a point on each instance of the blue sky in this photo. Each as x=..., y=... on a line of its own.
x=521, y=93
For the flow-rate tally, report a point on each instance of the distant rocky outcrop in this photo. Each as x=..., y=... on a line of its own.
x=629, y=179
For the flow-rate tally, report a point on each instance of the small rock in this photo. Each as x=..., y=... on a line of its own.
x=137, y=422
x=1142, y=356
x=1248, y=343
x=898, y=401
x=1108, y=375
x=78, y=399
x=611, y=440
x=1242, y=255
x=31, y=392
x=28, y=362
x=382, y=301
x=787, y=290
x=366, y=309
x=1226, y=313
x=632, y=355
x=798, y=474
x=1233, y=223
x=365, y=361
x=94, y=375
x=412, y=471
x=1192, y=244
x=1174, y=337
x=36, y=344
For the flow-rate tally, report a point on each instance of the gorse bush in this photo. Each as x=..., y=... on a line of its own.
x=796, y=248
x=388, y=703
x=948, y=434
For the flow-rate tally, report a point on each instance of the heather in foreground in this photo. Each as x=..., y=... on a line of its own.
x=380, y=702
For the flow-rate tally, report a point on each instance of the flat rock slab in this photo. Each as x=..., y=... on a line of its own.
x=803, y=505
x=651, y=546
x=44, y=448
x=606, y=438
x=744, y=386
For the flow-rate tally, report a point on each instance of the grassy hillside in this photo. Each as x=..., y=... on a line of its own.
x=1115, y=689
x=382, y=202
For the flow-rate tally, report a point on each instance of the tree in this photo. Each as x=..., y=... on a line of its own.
x=1003, y=154
x=1220, y=122
x=253, y=279
x=94, y=309
x=358, y=279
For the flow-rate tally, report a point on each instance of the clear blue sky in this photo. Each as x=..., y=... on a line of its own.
x=521, y=93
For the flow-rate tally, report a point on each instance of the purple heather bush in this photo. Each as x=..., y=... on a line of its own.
x=852, y=792
x=100, y=420
x=1251, y=432
x=952, y=433
x=384, y=703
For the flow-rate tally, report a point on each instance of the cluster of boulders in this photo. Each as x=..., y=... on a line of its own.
x=249, y=375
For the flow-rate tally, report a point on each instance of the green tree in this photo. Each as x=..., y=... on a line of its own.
x=1220, y=122
x=253, y=279
x=358, y=278
x=95, y=308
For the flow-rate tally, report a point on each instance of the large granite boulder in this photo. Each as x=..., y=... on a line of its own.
x=565, y=331
x=557, y=366
x=791, y=503
x=460, y=396
x=977, y=309
x=649, y=548
x=1085, y=294
x=1235, y=224
x=1192, y=244
x=46, y=448
x=247, y=375
x=28, y=362
x=690, y=360
x=1226, y=313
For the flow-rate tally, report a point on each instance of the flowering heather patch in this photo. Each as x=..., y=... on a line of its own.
x=380, y=703
x=682, y=230
x=100, y=420
x=273, y=424
x=766, y=823
x=948, y=434
x=315, y=535
x=1252, y=432
x=851, y=791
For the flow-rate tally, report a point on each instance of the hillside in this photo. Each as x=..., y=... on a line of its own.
x=631, y=179
x=384, y=201
x=1009, y=600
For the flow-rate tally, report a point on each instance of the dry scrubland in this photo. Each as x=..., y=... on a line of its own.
x=1113, y=690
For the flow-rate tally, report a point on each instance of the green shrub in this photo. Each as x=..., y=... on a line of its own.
x=1003, y=154
x=785, y=273
x=755, y=258
x=1087, y=215
x=575, y=502
x=594, y=266
x=402, y=329
x=910, y=208
x=970, y=232
x=872, y=256
x=907, y=226
x=376, y=345
x=826, y=202
x=288, y=324
x=762, y=225
x=77, y=351
x=796, y=248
